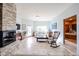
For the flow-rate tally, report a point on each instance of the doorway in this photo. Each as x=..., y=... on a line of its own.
x=70, y=33
x=29, y=30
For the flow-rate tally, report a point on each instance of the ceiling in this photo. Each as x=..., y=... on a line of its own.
x=40, y=11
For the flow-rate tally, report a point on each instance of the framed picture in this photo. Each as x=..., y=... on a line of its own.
x=54, y=25
x=23, y=26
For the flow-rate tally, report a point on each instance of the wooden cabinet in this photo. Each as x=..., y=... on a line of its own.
x=70, y=37
x=70, y=29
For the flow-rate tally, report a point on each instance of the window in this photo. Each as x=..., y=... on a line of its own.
x=41, y=29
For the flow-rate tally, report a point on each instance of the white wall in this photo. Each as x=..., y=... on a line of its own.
x=34, y=24
x=28, y=23
x=78, y=35
x=19, y=21
x=22, y=21
x=72, y=10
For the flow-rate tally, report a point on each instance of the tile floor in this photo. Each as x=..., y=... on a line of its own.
x=30, y=47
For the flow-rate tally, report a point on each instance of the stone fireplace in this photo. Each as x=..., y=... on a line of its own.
x=7, y=23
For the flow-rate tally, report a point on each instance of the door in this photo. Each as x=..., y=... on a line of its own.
x=70, y=34
x=70, y=29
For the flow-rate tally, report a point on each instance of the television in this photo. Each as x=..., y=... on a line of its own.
x=18, y=26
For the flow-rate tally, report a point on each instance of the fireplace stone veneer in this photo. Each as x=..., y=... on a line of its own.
x=9, y=16
x=7, y=23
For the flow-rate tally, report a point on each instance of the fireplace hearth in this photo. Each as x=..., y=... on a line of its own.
x=7, y=37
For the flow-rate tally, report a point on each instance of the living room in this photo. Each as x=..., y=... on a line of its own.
x=33, y=20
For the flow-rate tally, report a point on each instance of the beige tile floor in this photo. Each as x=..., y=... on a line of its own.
x=29, y=47
x=71, y=47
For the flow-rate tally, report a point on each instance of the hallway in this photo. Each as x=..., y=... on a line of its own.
x=29, y=47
